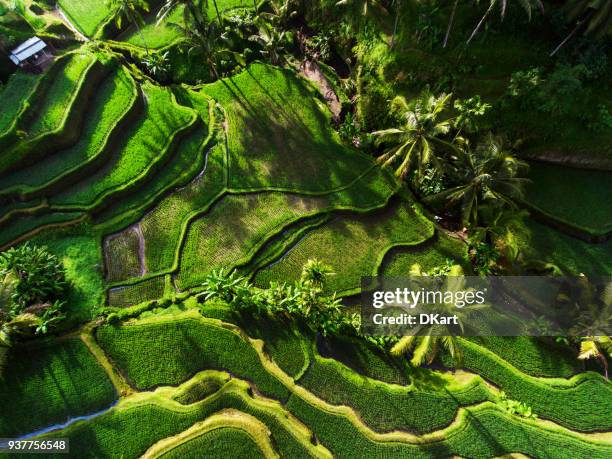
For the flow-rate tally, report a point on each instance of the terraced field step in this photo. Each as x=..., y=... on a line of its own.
x=573, y=201
x=188, y=163
x=116, y=105
x=253, y=219
x=521, y=435
x=280, y=135
x=353, y=246
x=44, y=383
x=54, y=119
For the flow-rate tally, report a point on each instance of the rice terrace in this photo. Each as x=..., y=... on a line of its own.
x=192, y=191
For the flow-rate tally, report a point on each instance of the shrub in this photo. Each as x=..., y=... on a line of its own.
x=41, y=277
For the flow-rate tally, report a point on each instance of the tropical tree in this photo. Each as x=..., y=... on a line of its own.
x=527, y=5
x=425, y=344
x=489, y=175
x=39, y=275
x=363, y=7
x=416, y=141
x=157, y=63
x=315, y=272
x=191, y=9
x=281, y=13
x=596, y=347
x=130, y=9
x=206, y=40
x=271, y=40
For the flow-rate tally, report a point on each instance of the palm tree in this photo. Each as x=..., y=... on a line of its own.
x=596, y=347
x=270, y=38
x=397, y=6
x=190, y=8
x=130, y=9
x=315, y=272
x=426, y=346
x=282, y=12
x=488, y=175
x=204, y=39
x=415, y=141
x=528, y=6
x=361, y=6
x=157, y=63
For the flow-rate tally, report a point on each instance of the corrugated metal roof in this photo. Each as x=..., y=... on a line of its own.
x=27, y=49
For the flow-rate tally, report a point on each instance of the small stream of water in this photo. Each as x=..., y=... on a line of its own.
x=65, y=424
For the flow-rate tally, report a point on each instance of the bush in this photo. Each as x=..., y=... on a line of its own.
x=41, y=277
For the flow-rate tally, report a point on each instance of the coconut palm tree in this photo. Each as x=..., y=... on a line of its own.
x=416, y=141
x=315, y=272
x=596, y=347
x=364, y=7
x=130, y=9
x=528, y=6
x=206, y=40
x=190, y=9
x=425, y=347
x=271, y=40
x=487, y=175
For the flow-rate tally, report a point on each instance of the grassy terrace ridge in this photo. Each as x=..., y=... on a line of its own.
x=256, y=217
x=520, y=432
x=13, y=100
x=383, y=407
x=480, y=431
x=231, y=433
x=86, y=15
x=171, y=351
x=163, y=121
x=279, y=134
x=184, y=166
x=571, y=254
x=116, y=99
x=47, y=383
x=429, y=255
x=534, y=356
x=54, y=117
x=568, y=402
x=577, y=197
x=29, y=226
x=353, y=246
x=167, y=417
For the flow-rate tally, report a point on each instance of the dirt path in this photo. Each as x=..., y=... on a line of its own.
x=312, y=71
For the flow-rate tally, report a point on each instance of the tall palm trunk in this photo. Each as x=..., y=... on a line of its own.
x=196, y=17
x=450, y=23
x=604, y=362
x=217, y=11
x=397, y=13
x=139, y=30
x=484, y=18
